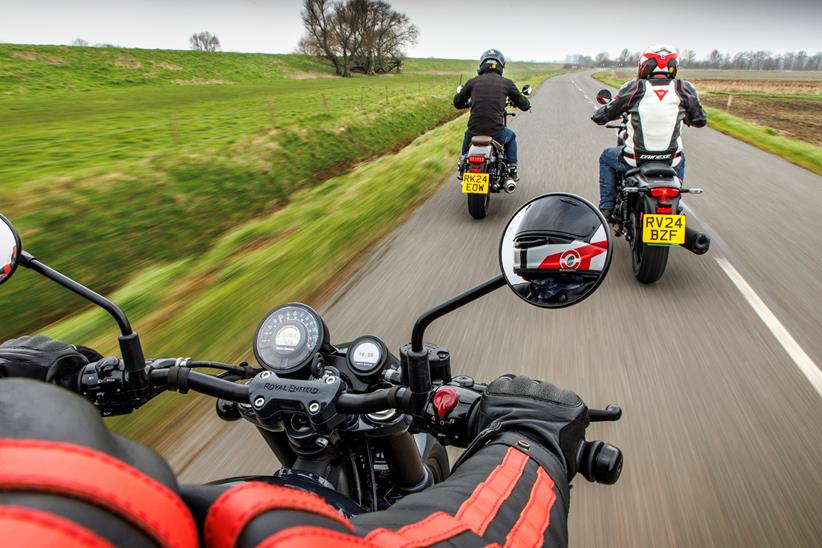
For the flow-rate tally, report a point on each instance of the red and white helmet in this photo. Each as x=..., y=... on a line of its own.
x=658, y=61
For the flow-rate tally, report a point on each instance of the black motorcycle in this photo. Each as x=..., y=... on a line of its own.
x=484, y=170
x=648, y=210
x=351, y=423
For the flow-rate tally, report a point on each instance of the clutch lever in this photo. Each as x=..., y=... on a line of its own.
x=611, y=413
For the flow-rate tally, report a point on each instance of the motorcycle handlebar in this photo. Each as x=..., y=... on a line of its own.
x=398, y=397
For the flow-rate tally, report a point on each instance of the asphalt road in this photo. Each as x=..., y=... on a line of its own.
x=722, y=431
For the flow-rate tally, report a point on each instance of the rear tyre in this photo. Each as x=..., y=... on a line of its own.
x=478, y=205
x=648, y=261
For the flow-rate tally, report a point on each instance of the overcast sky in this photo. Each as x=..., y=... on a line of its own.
x=522, y=29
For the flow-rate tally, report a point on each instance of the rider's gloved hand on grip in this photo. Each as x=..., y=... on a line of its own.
x=548, y=415
x=42, y=358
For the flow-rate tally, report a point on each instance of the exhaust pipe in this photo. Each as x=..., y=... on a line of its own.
x=696, y=242
x=509, y=186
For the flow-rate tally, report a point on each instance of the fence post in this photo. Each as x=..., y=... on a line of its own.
x=730, y=100
x=271, y=113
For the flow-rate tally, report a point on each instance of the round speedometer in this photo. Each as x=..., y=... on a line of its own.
x=288, y=338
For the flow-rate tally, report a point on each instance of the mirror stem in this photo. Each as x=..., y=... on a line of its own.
x=449, y=306
x=28, y=261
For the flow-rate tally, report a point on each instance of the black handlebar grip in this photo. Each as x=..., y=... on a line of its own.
x=600, y=462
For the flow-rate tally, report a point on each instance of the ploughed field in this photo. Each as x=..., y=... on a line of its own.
x=116, y=160
x=787, y=102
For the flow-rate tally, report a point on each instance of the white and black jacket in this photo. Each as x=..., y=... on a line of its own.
x=656, y=110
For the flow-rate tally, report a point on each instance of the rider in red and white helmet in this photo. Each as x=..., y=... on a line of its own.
x=657, y=103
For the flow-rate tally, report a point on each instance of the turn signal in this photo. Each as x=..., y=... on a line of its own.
x=664, y=192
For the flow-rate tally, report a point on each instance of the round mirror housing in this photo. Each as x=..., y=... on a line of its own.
x=459, y=88
x=603, y=97
x=10, y=249
x=527, y=90
x=556, y=250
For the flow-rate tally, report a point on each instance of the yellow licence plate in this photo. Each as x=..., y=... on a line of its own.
x=663, y=229
x=475, y=183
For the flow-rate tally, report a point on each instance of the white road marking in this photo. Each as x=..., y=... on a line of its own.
x=582, y=92
x=799, y=357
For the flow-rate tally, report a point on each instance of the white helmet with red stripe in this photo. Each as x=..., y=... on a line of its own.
x=658, y=61
x=561, y=238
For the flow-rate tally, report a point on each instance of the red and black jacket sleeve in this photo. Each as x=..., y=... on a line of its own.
x=512, y=492
x=65, y=480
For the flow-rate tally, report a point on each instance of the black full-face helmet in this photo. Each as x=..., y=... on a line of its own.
x=560, y=235
x=492, y=59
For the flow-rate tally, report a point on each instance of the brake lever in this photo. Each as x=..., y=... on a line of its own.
x=611, y=413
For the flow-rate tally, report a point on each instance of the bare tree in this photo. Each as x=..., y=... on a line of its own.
x=204, y=41
x=365, y=36
x=319, y=39
x=688, y=56
x=602, y=59
x=79, y=42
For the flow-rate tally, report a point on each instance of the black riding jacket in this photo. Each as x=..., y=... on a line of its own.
x=486, y=94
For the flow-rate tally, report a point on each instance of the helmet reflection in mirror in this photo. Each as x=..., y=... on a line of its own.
x=556, y=250
x=9, y=249
x=603, y=97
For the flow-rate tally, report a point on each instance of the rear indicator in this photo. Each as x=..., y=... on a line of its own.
x=664, y=210
x=664, y=192
x=476, y=159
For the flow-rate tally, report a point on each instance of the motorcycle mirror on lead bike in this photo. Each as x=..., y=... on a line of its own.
x=351, y=422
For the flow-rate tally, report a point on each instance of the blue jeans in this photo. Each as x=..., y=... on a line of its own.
x=506, y=137
x=609, y=165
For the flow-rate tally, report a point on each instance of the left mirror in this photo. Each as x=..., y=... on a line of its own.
x=9, y=249
x=459, y=88
x=556, y=250
x=527, y=90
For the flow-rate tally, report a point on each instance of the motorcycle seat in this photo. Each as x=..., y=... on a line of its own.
x=484, y=141
x=653, y=169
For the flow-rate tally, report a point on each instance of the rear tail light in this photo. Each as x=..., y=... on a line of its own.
x=667, y=210
x=664, y=192
x=476, y=159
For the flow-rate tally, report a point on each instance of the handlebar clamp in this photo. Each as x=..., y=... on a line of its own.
x=270, y=395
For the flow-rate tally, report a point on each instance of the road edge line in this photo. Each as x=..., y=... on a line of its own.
x=804, y=362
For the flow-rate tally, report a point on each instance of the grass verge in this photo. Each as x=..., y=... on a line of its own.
x=210, y=308
x=795, y=151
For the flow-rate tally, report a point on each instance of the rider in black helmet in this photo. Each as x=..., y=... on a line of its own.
x=486, y=94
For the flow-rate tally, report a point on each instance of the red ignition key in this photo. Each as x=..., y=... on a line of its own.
x=444, y=401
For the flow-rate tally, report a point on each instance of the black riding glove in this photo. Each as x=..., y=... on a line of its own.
x=547, y=415
x=42, y=358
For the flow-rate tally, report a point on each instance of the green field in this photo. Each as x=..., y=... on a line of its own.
x=777, y=111
x=116, y=161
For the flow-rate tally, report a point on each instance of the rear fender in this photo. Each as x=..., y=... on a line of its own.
x=486, y=151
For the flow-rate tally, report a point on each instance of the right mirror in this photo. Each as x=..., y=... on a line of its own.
x=9, y=249
x=603, y=97
x=555, y=250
